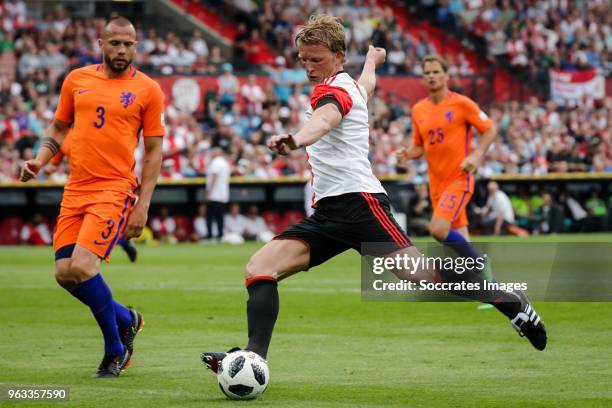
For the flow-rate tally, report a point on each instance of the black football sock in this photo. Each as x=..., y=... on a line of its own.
x=505, y=302
x=262, y=310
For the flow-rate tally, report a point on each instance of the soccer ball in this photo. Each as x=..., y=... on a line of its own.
x=243, y=375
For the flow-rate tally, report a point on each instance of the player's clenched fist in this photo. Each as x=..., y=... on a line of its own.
x=470, y=164
x=376, y=54
x=402, y=155
x=30, y=169
x=282, y=144
x=136, y=222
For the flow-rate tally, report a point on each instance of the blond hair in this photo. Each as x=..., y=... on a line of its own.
x=435, y=58
x=323, y=29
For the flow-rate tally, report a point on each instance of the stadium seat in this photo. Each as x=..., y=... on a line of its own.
x=10, y=229
x=184, y=227
x=293, y=217
x=288, y=219
x=273, y=220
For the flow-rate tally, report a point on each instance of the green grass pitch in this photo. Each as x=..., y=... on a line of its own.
x=329, y=348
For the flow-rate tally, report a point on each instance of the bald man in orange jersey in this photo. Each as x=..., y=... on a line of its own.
x=105, y=107
x=442, y=131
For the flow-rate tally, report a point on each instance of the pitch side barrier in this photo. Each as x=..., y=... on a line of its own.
x=288, y=193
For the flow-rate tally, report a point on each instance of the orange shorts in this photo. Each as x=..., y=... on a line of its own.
x=95, y=221
x=451, y=204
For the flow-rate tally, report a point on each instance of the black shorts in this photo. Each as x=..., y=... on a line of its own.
x=347, y=221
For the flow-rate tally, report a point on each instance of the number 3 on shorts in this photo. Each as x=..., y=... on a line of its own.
x=109, y=228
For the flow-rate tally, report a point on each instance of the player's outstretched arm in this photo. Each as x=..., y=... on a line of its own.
x=150, y=171
x=321, y=122
x=51, y=144
x=374, y=57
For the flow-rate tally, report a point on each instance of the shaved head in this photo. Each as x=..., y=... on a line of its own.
x=118, y=44
x=119, y=22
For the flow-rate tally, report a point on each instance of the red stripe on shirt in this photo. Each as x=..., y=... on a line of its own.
x=329, y=80
x=359, y=90
x=312, y=176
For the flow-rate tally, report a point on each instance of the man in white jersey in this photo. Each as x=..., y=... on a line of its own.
x=351, y=206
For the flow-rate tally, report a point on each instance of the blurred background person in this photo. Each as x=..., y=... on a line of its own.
x=35, y=231
x=164, y=226
x=217, y=191
x=497, y=215
x=256, y=228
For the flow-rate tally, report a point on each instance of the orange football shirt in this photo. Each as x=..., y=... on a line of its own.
x=107, y=116
x=445, y=132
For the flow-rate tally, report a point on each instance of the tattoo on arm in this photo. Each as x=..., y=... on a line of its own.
x=51, y=144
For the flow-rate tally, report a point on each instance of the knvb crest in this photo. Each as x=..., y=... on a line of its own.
x=449, y=116
x=127, y=98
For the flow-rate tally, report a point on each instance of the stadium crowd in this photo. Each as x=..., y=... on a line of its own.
x=536, y=138
x=277, y=22
x=534, y=35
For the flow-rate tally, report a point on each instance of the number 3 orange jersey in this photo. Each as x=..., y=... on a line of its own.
x=107, y=116
x=444, y=131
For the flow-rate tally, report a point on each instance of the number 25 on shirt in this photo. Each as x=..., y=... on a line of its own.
x=435, y=136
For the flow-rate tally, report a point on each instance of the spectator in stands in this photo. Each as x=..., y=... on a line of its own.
x=575, y=215
x=522, y=208
x=378, y=108
x=536, y=139
x=216, y=59
x=284, y=79
x=217, y=191
x=517, y=51
x=548, y=218
x=239, y=47
x=396, y=58
x=234, y=225
x=198, y=45
x=597, y=212
x=463, y=65
x=200, y=229
x=183, y=58
x=497, y=215
x=254, y=49
x=424, y=46
x=13, y=15
x=35, y=232
x=54, y=63
x=228, y=87
x=567, y=35
x=256, y=227
x=164, y=226
x=253, y=96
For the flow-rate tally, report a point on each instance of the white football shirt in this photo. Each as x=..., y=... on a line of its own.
x=221, y=190
x=339, y=160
